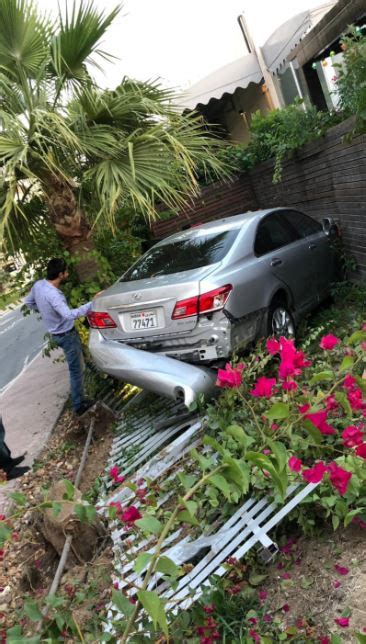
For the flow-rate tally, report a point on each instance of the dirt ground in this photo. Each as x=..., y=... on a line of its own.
x=29, y=562
x=305, y=584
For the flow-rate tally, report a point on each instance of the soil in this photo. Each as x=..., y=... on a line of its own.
x=30, y=562
x=307, y=583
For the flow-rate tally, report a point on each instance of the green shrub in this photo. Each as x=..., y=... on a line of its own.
x=351, y=82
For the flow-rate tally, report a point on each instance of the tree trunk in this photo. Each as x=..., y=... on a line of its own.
x=72, y=227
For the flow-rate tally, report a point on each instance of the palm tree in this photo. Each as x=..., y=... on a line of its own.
x=80, y=151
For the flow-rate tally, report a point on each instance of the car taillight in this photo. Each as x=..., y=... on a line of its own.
x=185, y=308
x=100, y=320
x=214, y=300
x=205, y=303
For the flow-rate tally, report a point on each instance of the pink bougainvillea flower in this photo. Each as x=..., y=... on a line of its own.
x=131, y=515
x=286, y=575
x=253, y=620
x=361, y=450
x=331, y=403
x=115, y=475
x=349, y=382
x=324, y=640
x=286, y=608
x=319, y=419
x=341, y=570
x=337, y=583
x=210, y=608
x=230, y=376
x=263, y=387
x=315, y=474
x=339, y=478
x=267, y=618
x=254, y=635
x=304, y=408
x=342, y=621
x=234, y=590
x=363, y=346
x=352, y=436
x=289, y=385
x=355, y=399
x=273, y=346
x=274, y=426
x=295, y=464
x=328, y=342
x=262, y=595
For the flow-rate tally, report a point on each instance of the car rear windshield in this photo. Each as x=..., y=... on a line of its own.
x=182, y=255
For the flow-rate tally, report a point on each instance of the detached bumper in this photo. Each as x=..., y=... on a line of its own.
x=151, y=371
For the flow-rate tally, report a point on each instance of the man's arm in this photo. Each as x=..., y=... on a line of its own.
x=30, y=302
x=59, y=304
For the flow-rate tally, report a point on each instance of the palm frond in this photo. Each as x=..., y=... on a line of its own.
x=77, y=40
x=24, y=38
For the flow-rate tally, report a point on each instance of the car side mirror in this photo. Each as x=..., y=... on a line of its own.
x=330, y=227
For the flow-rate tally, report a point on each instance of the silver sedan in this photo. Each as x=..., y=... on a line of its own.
x=205, y=292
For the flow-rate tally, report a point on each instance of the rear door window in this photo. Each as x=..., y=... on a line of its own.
x=272, y=233
x=303, y=224
x=182, y=255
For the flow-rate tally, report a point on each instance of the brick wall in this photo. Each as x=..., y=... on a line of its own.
x=325, y=177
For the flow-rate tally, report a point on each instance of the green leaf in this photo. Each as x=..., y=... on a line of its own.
x=321, y=377
x=204, y=463
x=187, y=480
x=280, y=453
x=149, y=525
x=91, y=513
x=342, y=399
x=238, y=472
x=346, y=364
x=350, y=515
x=278, y=411
x=32, y=611
x=70, y=490
x=154, y=607
x=187, y=515
x=278, y=476
x=19, y=498
x=212, y=442
x=357, y=337
x=238, y=433
x=168, y=567
x=56, y=508
x=256, y=580
x=221, y=483
x=335, y=521
x=336, y=639
x=361, y=638
x=312, y=431
x=80, y=511
x=5, y=533
x=122, y=603
x=142, y=562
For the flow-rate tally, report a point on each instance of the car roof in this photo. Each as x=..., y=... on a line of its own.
x=219, y=225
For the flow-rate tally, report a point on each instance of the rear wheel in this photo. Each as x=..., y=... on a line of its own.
x=280, y=321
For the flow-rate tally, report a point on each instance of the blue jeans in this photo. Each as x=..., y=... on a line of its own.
x=71, y=345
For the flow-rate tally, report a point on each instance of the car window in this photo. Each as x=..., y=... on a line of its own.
x=273, y=232
x=303, y=224
x=182, y=255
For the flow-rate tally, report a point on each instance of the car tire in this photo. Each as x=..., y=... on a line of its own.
x=280, y=321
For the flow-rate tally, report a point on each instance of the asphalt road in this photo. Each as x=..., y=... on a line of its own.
x=21, y=339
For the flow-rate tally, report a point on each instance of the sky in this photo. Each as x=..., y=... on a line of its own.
x=182, y=41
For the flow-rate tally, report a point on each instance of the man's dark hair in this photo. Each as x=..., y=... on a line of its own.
x=55, y=266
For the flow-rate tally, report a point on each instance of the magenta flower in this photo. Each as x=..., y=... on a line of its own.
x=336, y=583
x=273, y=346
x=318, y=419
x=352, y=436
x=328, y=342
x=339, y=478
x=289, y=385
x=341, y=570
x=361, y=450
x=295, y=464
x=349, y=382
x=114, y=474
x=355, y=397
x=316, y=473
x=210, y=608
x=286, y=608
x=343, y=622
x=263, y=387
x=262, y=595
x=230, y=376
x=131, y=515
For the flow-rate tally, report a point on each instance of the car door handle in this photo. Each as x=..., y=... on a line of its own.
x=276, y=261
x=312, y=246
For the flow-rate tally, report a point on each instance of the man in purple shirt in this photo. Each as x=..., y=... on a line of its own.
x=46, y=298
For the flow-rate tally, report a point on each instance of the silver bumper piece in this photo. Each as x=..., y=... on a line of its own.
x=152, y=371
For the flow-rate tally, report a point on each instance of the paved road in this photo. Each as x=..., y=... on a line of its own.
x=21, y=338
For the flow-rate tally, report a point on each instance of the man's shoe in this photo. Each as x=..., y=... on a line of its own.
x=17, y=460
x=85, y=405
x=16, y=472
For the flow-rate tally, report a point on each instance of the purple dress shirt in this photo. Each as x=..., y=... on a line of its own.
x=51, y=303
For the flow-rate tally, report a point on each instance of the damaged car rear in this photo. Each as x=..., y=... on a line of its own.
x=205, y=292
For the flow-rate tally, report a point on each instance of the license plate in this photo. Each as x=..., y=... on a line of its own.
x=143, y=320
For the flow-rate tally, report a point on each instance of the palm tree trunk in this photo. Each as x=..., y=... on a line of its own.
x=72, y=227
